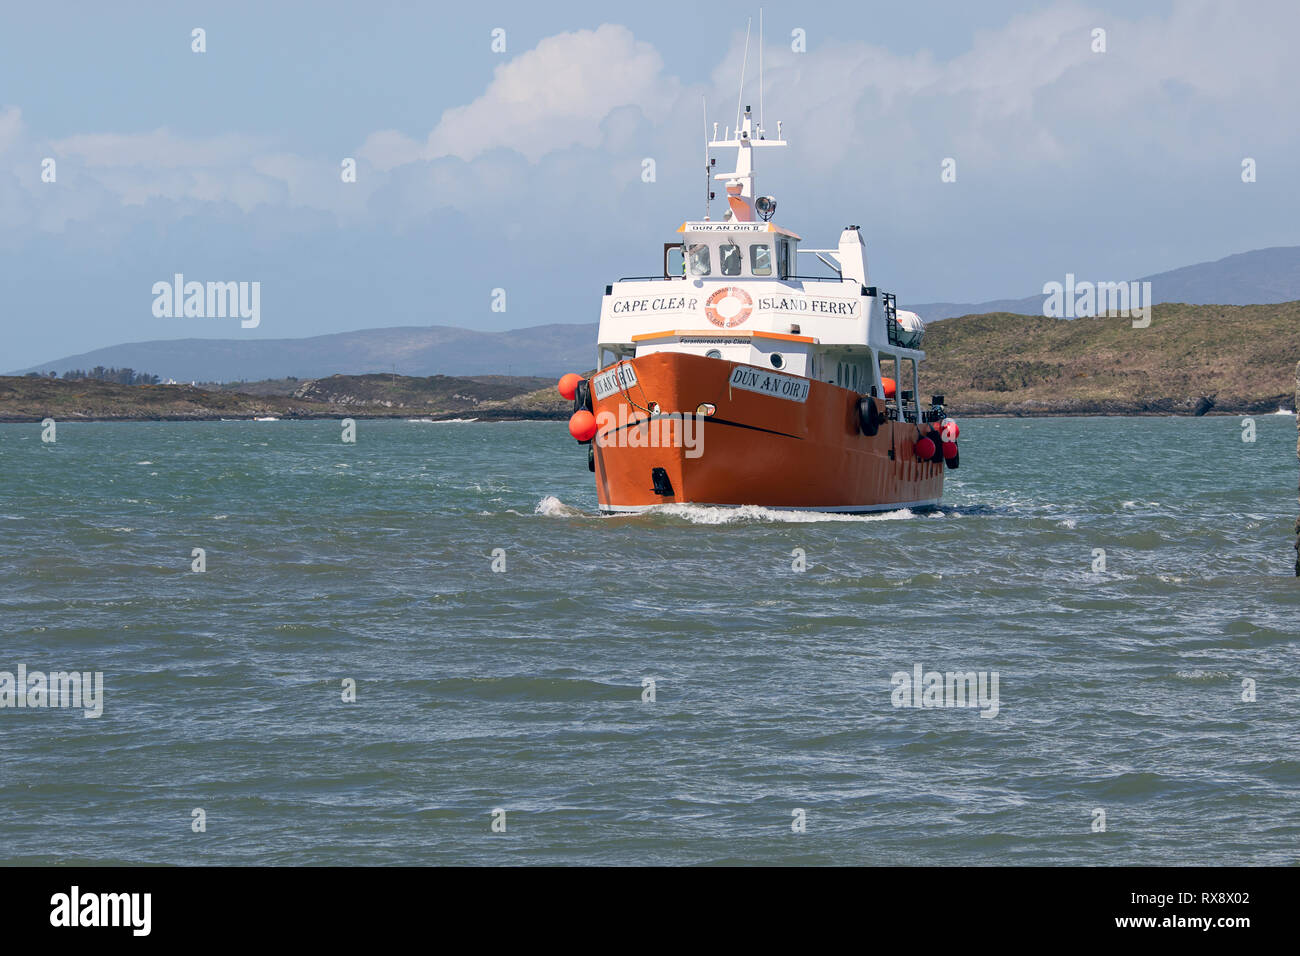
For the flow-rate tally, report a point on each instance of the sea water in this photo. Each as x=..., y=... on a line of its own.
x=428, y=647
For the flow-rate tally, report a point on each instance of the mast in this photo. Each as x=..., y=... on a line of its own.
x=740, y=182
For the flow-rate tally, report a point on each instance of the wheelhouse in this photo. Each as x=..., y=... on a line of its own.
x=731, y=255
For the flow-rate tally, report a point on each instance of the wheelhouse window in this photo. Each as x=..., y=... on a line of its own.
x=674, y=260
x=783, y=258
x=760, y=259
x=729, y=258
x=698, y=257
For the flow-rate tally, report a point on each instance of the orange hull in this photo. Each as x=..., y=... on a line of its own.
x=756, y=449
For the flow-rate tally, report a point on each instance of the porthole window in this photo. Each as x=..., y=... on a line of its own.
x=713, y=353
x=777, y=360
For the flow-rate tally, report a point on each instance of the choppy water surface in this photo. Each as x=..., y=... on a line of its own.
x=1119, y=689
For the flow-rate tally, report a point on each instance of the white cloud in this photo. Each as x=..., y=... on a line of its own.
x=389, y=148
x=557, y=95
x=570, y=119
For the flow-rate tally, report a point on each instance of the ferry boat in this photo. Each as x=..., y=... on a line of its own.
x=731, y=379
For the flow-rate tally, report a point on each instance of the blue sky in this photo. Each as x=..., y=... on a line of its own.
x=522, y=171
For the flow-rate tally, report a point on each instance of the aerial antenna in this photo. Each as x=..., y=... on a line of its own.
x=743, y=63
x=708, y=194
x=760, y=73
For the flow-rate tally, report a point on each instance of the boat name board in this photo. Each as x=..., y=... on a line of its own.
x=667, y=303
x=727, y=227
x=805, y=306
x=791, y=304
x=615, y=379
x=769, y=383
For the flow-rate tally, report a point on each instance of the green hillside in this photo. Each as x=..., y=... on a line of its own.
x=1244, y=357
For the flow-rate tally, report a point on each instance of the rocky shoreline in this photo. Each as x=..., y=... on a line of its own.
x=35, y=399
x=364, y=413
x=302, y=416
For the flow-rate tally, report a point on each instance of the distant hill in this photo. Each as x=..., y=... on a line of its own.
x=547, y=350
x=1264, y=276
x=1261, y=277
x=1243, y=357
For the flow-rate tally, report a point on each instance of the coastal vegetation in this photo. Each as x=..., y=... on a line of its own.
x=1232, y=359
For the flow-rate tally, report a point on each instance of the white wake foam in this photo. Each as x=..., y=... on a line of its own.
x=719, y=514
x=553, y=507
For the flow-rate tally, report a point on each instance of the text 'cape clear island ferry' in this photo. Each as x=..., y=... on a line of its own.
x=732, y=380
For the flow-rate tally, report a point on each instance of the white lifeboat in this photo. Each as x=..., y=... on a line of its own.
x=910, y=329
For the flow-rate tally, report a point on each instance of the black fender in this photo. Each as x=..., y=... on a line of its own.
x=582, y=396
x=869, y=416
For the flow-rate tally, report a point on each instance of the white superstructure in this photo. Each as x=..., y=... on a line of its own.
x=730, y=289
